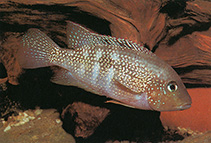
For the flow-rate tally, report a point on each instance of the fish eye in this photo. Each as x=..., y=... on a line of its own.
x=172, y=86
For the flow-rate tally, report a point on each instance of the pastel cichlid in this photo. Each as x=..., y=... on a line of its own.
x=119, y=69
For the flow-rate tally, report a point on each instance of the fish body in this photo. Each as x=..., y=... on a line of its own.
x=116, y=68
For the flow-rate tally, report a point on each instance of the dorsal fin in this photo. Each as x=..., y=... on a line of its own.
x=78, y=36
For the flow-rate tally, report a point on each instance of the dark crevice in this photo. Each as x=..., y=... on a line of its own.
x=70, y=13
x=188, y=69
x=3, y=72
x=15, y=27
x=174, y=8
x=189, y=29
x=189, y=85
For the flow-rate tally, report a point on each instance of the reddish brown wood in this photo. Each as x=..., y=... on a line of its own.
x=86, y=117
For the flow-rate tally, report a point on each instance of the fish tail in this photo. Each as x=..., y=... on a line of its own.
x=36, y=50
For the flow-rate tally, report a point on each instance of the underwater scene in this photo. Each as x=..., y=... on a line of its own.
x=108, y=71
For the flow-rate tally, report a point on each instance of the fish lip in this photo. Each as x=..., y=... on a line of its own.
x=185, y=106
x=177, y=108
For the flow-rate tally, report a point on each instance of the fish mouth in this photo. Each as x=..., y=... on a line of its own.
x=185, y=106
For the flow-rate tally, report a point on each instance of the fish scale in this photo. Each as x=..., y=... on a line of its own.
x=119, y=69
x=84, y=67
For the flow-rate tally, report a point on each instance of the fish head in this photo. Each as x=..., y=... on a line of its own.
x=168, y=93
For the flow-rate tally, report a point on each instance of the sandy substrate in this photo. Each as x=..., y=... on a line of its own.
x=34, y=126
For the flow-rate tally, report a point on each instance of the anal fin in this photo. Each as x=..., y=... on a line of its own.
x=63, y=77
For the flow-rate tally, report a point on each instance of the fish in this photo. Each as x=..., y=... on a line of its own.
x=126, y=72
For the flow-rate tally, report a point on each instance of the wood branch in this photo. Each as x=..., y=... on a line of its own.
x=8, y=58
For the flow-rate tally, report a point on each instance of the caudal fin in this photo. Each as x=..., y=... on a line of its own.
x=36, y=49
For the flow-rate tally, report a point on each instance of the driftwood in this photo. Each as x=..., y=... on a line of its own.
x=82, y=114
x=178, y=32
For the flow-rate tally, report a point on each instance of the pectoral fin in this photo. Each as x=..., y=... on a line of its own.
x=128, y=83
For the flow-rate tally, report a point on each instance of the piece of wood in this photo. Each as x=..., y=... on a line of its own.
x=86, y=118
